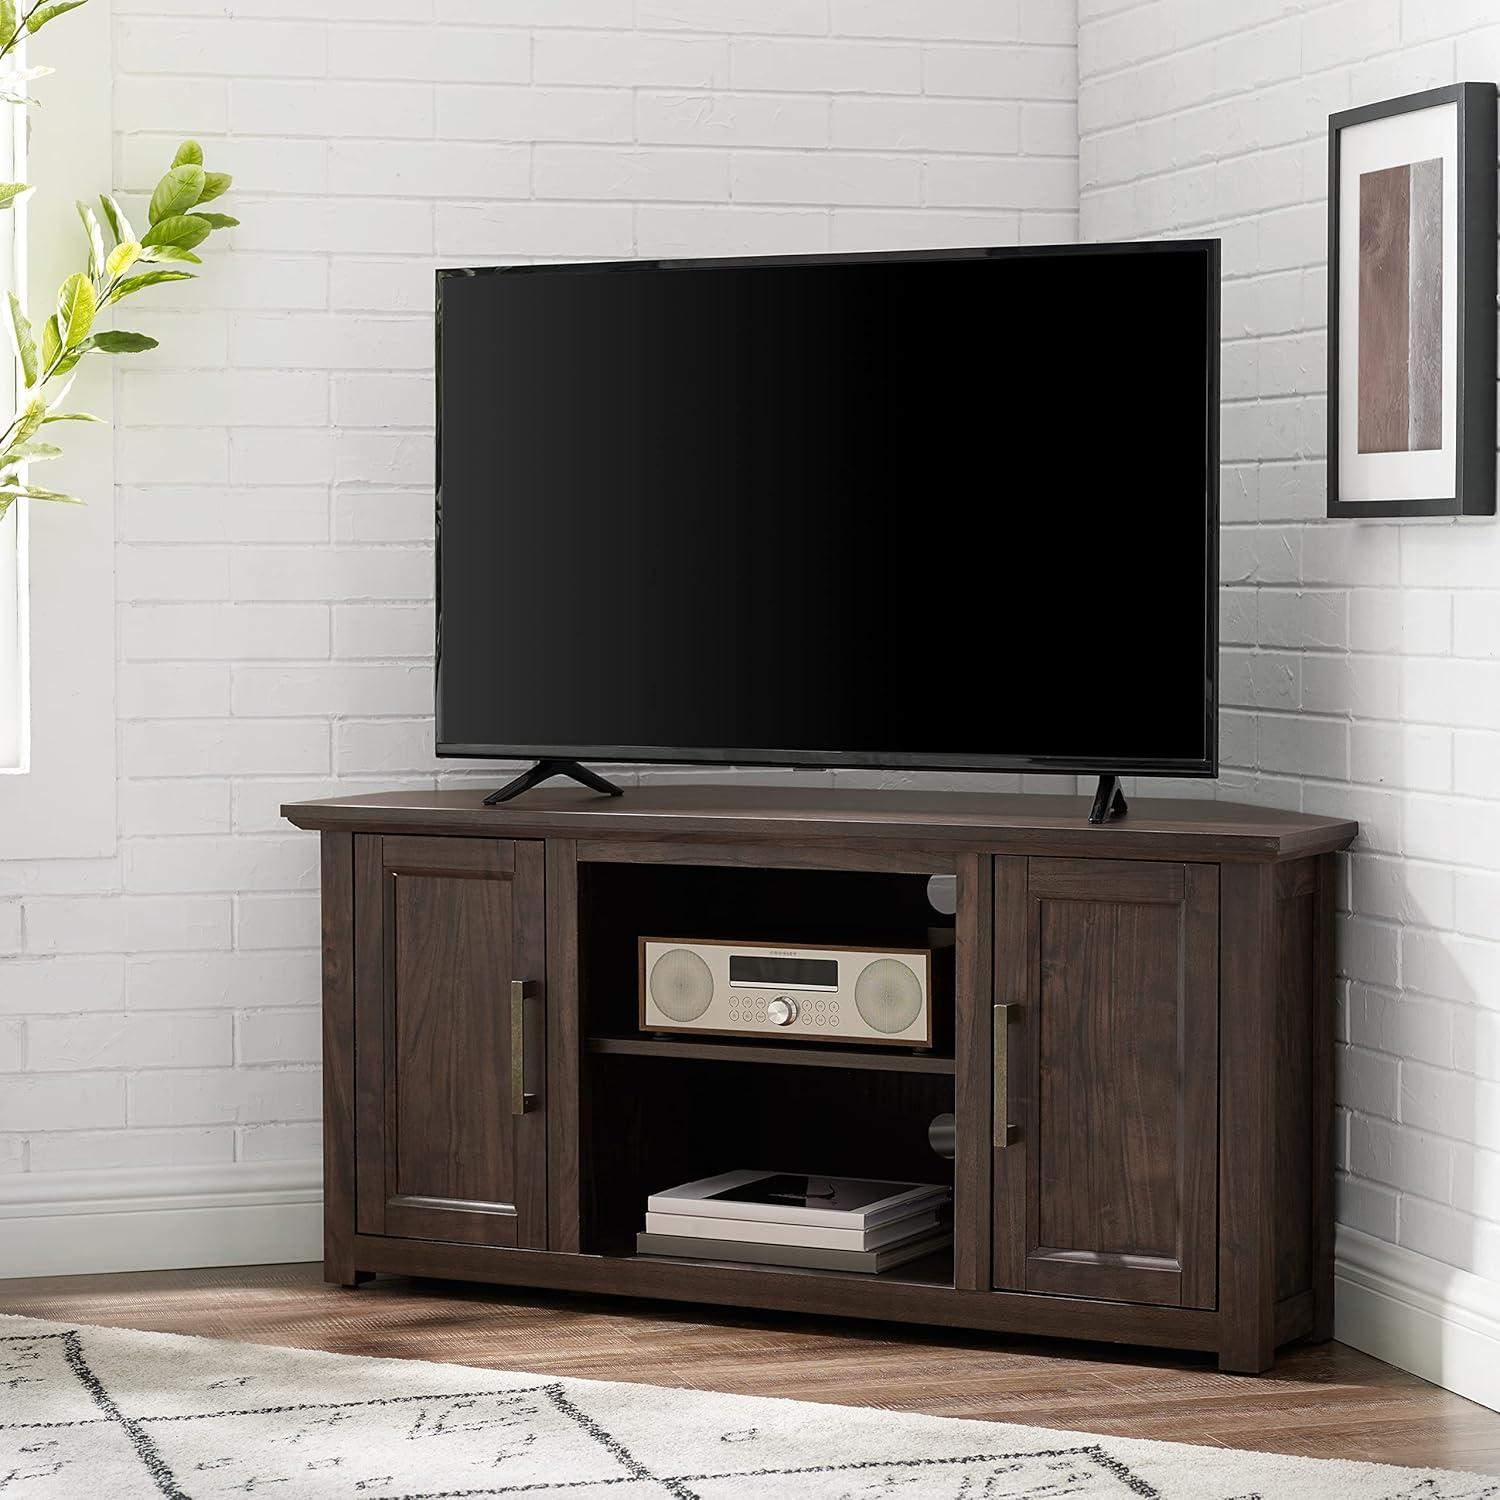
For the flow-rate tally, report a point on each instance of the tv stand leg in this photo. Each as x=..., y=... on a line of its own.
x=1109, y=801
x=544, y=770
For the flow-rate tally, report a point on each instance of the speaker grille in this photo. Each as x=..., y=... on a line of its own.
x=681, y=985
x=888, y=996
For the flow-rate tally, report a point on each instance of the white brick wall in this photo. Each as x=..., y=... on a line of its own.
x=274, y=457
x=1360, y=671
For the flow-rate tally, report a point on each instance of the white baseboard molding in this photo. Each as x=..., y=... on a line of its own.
x=160, y=1218
x=1438, y=1322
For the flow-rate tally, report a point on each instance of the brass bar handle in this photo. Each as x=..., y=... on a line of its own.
x=520, y=1100
x=1006, y=1134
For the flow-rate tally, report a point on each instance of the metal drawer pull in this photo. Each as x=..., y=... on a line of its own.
x=520, y=1100
x=1006, y=1134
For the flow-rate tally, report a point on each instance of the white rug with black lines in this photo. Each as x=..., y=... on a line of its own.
x=107, y=1414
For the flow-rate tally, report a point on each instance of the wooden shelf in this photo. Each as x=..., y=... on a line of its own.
x=871, y=1059
x=935, y=1270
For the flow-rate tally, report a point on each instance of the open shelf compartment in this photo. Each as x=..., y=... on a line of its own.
x=620, y=903
x=675, y=1119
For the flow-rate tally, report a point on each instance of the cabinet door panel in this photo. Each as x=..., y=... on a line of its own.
x=1113, y=1081
x=1108, y=1045
x=445, y=926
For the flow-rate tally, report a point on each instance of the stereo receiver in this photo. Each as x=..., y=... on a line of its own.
x=878, y=996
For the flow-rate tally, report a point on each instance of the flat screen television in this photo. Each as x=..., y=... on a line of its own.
x=952, y=509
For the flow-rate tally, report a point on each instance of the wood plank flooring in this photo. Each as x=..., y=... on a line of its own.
x=1323, y=1402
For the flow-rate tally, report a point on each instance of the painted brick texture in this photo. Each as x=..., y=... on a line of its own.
x=1361, y=662
x=274, y=458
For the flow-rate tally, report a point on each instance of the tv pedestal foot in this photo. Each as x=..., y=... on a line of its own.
x=1109, y=801
x=544, y=770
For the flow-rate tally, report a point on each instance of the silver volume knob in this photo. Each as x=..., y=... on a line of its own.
x=782, y=1011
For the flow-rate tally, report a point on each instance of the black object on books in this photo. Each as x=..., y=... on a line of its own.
x=683, y=1247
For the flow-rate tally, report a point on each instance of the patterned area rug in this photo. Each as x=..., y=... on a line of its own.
x=111, y=1415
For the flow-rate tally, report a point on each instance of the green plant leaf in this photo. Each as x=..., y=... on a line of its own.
x=35, y=452
x=76, y=306
x=189, y=154
x=29, y=492
x=177, y=192
x=11, y=81
x=29, y=419
x=23, y=339
x=71, y=416
x=215, y=185
x=119, y=225
x=170, y=252
x=132, y=284
x=121, y=258
x=96, y=239
x=183, y=230
x=7, y=20
x=120, y=342
x=11, y=193
x=51, y=342
x=39, y=18
x=214, y=221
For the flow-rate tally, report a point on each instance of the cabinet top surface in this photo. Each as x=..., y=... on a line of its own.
x=1019, y=821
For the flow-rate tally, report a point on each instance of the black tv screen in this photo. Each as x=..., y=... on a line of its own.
x=953, y=509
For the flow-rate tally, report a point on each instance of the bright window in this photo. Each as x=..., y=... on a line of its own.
x=14, y=653
x=13, y=683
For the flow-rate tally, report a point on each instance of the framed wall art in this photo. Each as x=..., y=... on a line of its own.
x=1411, y=305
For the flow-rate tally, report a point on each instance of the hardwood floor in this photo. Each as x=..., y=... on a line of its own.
x=1324, y=1402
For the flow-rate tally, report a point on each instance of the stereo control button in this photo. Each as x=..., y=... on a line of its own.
x=782, y=1011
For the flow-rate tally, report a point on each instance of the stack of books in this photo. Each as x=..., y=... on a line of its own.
x=781, y=1219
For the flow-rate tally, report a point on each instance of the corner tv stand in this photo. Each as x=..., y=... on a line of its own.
x=1154, y=998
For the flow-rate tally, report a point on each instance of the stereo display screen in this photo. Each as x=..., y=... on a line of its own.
x=795, y=973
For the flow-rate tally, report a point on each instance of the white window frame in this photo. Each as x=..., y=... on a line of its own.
x=15, y=647
x=65, y=803
x=15, y=653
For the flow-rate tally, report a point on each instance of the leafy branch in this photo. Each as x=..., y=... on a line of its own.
x=178, y=224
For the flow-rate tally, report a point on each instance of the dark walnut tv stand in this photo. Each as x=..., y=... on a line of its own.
x=1137, y=1044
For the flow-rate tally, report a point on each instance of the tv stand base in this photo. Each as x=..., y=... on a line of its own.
x=544, y=770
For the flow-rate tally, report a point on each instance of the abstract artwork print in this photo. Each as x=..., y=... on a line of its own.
x=1412, y=282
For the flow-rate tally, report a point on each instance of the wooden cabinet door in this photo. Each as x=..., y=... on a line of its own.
x=1106, y=983
x=449, y=957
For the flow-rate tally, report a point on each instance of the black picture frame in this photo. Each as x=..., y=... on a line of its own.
x=1476, y=230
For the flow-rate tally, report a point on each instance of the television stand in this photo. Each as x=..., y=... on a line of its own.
x=1135, y=1038
x=545, y=770
x=1109, y=801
